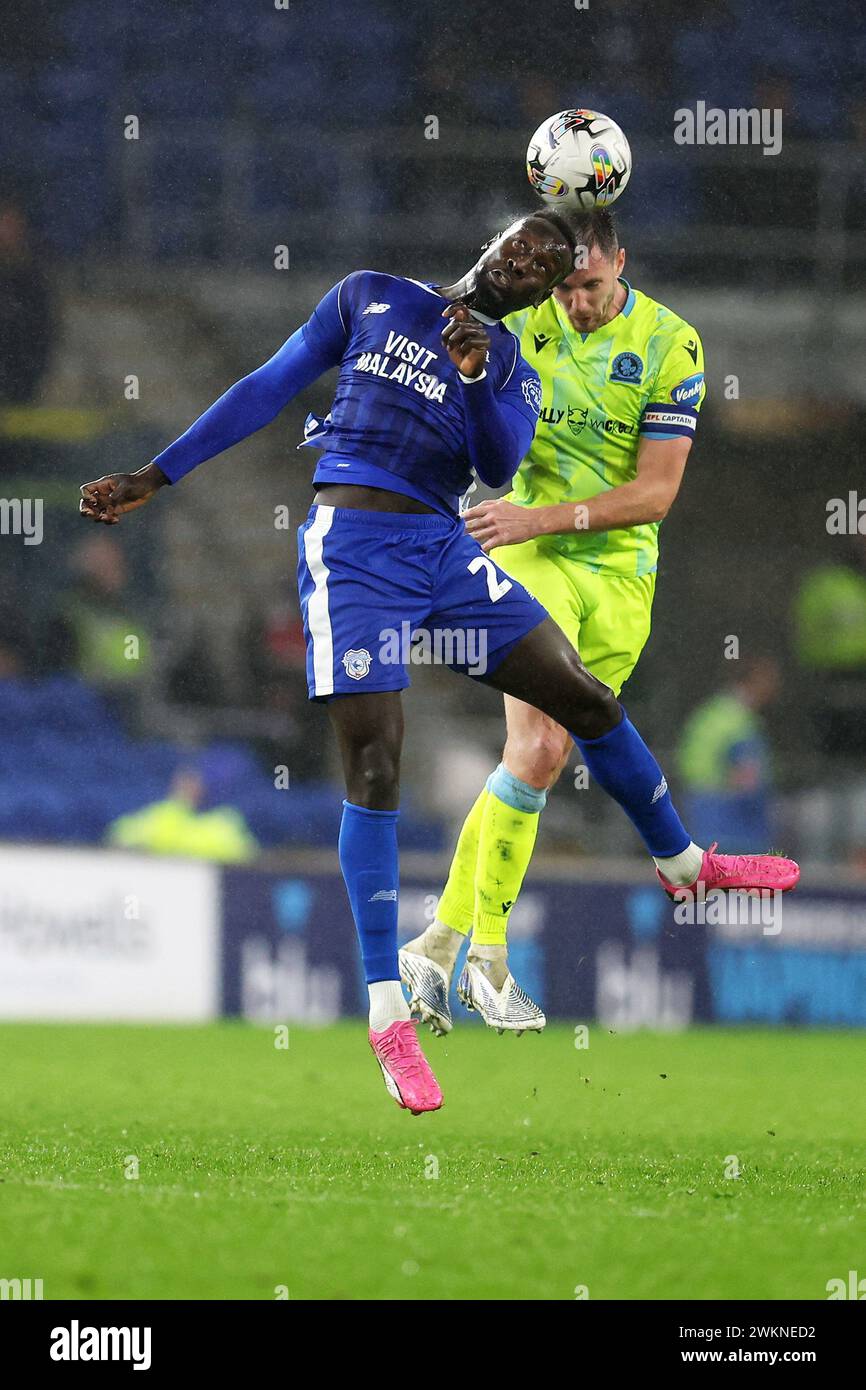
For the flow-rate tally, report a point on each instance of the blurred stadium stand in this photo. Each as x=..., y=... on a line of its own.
x=159, y=255
x=71, y=770
x=310, y=119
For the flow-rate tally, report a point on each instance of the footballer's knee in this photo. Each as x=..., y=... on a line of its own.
x=537, y=755
x=373, y=776
x=370, y=733
x=568, y=745
x=594, y=709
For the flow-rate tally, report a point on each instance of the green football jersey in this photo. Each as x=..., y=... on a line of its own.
x=641, y=375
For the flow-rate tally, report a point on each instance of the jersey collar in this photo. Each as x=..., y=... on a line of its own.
x=476, y=313
x=484, y=318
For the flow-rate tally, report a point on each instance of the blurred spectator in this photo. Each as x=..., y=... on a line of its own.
x=192, y=677
x=179, y=825
x=276, y=667
x=724, y=762
x=98, y=631
x=829, y=617
x=26, y=311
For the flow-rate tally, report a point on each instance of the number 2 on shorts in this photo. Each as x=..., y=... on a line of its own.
x=495, y=587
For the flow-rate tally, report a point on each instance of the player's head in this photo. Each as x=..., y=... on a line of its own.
x=524, y=264
x=587, y=293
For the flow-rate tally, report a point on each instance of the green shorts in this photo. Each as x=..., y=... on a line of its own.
x=607, y=617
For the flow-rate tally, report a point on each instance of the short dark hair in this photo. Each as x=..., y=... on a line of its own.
x=559, y=223
x=556, y=221
x=596, y=229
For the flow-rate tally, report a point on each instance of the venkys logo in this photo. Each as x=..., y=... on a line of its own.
x=688, y=391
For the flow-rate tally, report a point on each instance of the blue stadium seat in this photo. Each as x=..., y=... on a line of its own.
x=64, y=702
x=662, y=190
x=175, y=93
x=186, y=192
x=55, y=785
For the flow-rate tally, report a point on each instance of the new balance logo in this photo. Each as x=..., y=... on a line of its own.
x=375, y=308
x=384, y=895
x=659, y=792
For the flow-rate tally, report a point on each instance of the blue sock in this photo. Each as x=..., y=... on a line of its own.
x=515, y=793
x=621, y=763
x=370, y=865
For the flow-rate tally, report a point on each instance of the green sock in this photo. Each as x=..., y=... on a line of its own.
x=456, y=907
x=506, y=839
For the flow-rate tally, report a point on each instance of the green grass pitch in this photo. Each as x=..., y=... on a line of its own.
x=261, y=1169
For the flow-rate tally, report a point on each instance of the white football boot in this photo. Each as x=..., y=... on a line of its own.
x=426, y=966
x=488, y=986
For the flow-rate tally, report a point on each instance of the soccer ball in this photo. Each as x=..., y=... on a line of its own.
x=578, y=159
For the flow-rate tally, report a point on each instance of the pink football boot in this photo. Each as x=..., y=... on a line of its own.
x=405, y=1069
x=744, y=871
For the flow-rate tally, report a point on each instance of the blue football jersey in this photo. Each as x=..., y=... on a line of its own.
x=397, y=419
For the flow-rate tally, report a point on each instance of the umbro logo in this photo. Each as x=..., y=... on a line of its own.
x=540, y=340
x=691, y=348
x=375, y=308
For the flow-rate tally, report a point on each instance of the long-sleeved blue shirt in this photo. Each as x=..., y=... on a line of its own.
x=402, y=417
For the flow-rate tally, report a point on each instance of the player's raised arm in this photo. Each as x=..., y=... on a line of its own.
x=498, y=433
x=246, y=407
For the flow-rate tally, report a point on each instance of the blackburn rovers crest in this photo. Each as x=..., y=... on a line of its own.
x=628, y=368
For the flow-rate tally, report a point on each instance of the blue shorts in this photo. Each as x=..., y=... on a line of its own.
x=381, y=591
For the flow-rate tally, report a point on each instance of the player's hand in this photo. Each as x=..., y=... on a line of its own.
x=108, y=498
x=499, y=522
x=467, y=340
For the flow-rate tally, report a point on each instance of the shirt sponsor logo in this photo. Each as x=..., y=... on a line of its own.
x=688, y=390
x=357, y=663
x=579, y=420
x=532, y=393
x=405, y=362
x=627, y=368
